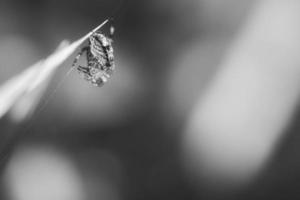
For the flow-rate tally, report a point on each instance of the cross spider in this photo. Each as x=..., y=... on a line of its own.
x=99, y=57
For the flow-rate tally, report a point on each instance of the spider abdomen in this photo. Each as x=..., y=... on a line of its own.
x=100, y=60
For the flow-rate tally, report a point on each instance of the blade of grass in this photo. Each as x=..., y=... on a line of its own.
x=27, y=81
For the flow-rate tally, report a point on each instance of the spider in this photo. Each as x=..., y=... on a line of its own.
x=99, y=57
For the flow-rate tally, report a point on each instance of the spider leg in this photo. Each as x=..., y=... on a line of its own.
x=111, y=28
x=84, y=70
x=78, y=55
x=111, y=31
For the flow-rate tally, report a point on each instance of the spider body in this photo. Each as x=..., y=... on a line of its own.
x=100, y=59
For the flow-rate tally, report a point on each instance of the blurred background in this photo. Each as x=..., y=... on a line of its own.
x=203, y=103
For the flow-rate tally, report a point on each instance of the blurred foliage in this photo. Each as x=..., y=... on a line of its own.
x=134, y=122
